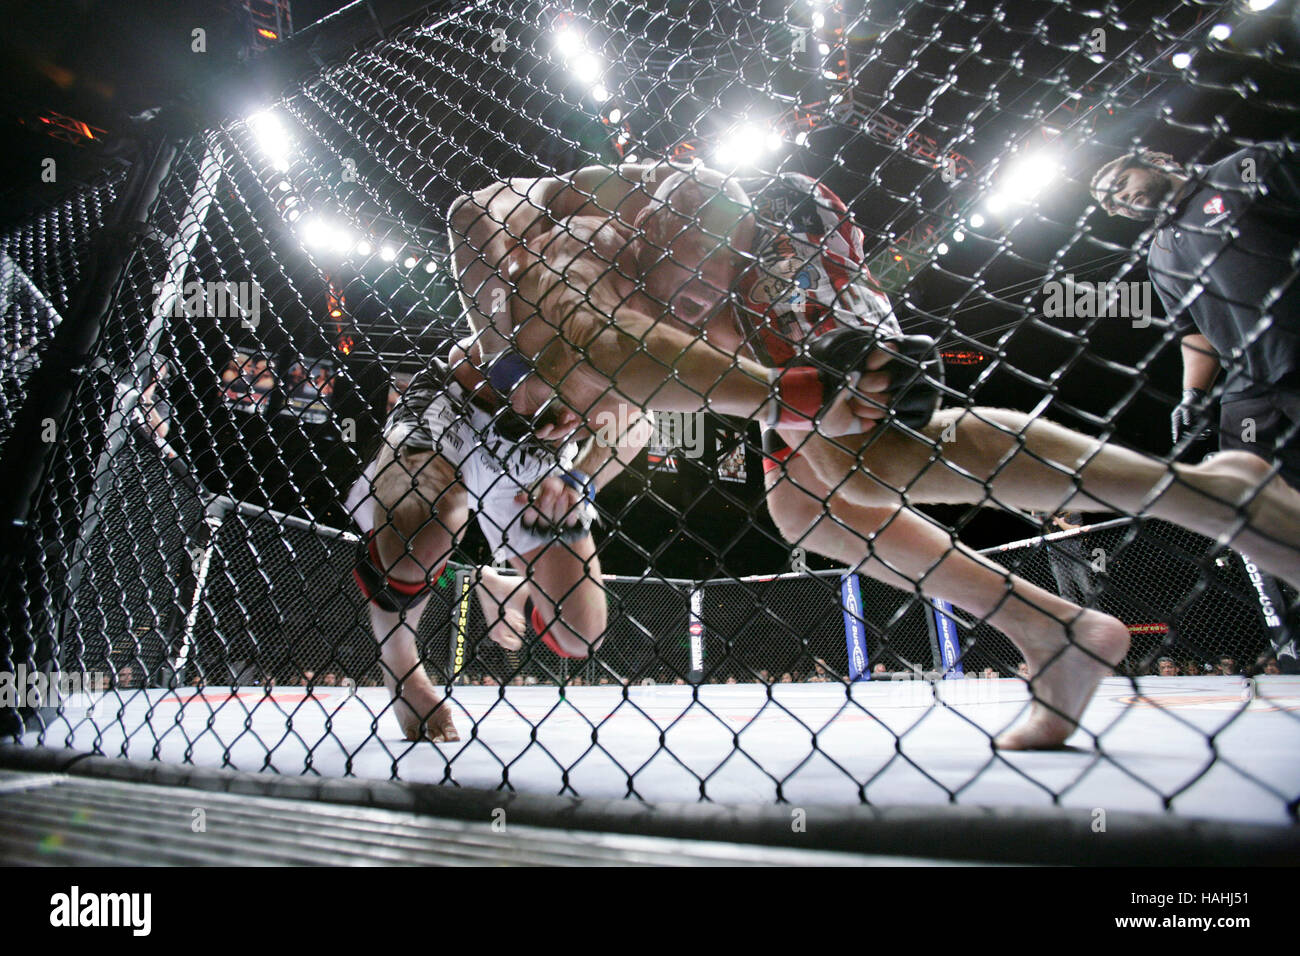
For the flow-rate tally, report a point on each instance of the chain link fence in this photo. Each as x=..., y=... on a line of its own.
x=310, y=375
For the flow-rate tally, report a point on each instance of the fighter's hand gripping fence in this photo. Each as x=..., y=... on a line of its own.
x=738, y=207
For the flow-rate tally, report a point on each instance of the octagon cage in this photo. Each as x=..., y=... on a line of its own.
x=307, y=406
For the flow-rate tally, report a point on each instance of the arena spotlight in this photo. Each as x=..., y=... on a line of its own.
x=271, y=138
x=615, y=115
x=746, y=145
x=431, y=267
x=322, y=234
x=1181, y=61
x=364, y=248
x=958, y=236
x=1258, y=5
x=1029, y=174
x=599, y=93
x=388, y=253
x=824, y=49
x=587, y=67
x=1220, y=31
x=569, y=42
x=976, y=221
x=941, y=248
x=818, y=20
x=410, y=262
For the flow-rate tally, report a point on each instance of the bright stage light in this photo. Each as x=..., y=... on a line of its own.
x=631, y=158
x=410, y=262
x=746, y=145
x=364, y=248
x=1181, y=61
x=1031, y=173
x=323, y=234
x=1258, y=5
x=271, y=138
x=569, y=42
x=615, y=115
x=976, y=221
x=388, y=253
x=942, y=248
x=1220, y=31
x=599, y=93
x=830, y=75
x=824, y=49
x=431, y=267
x=818, y=20
x=958, y=236
x=801, y=139
x=996, y=203
x=587, y=68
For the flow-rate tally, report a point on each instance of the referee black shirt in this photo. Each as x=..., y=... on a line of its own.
x=1237, y=234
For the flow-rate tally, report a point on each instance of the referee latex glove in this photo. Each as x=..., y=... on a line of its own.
x=1188, y=411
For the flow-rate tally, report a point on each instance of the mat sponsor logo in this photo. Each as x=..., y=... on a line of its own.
x=76, y=909
x=36, y=688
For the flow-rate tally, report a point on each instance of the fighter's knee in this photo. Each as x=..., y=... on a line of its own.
x=793, y=512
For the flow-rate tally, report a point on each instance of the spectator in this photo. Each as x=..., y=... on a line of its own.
x=1267, y=664
x=880, y=670
x=308, y=678
x=1166, y=667
x=786, y=678
x=731, y=680
x=1191, y=669
x=126, y=676
x=990, y=674
x=1023, y=670
x=330, y=679
x=1227, y=666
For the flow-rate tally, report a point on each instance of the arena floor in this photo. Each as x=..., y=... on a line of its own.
x=1197, y=742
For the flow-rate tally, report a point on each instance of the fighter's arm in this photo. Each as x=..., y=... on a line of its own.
x=602, y=344
x=1200, y=362
x=486, y=225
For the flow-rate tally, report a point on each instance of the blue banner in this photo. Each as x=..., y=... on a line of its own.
x=855, y=632
x=945, y=627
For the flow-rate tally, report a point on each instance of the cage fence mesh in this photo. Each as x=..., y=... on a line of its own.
x=277, y=329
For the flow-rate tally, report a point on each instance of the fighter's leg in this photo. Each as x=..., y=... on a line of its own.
x=1068, y=649
x=1000, y=457
x=568, y=607
x=419, y=509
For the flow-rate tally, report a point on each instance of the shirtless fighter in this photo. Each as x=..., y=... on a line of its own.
x=623, y=290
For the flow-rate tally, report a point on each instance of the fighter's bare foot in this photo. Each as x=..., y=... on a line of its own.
x=1062, y=681
x=422, y=713
x=502, y=600
x=1272, y=539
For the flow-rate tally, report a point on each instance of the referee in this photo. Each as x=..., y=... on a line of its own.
x=1225, y=261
